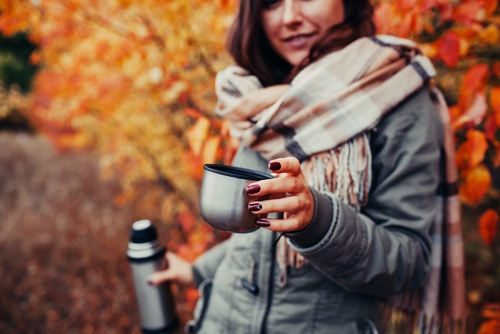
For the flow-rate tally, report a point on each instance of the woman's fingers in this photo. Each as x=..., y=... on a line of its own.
x=282, y=184
x=178, y=270
x=290, y=224
x=288, y=179
x=288, y=165
x=162, y=276
x=286, y=204
x=296, y=200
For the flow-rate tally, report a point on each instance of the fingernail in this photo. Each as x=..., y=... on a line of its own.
x=252, y=189
x=262, y=223
x=150, y=282
x=274, y=165
x=254, y=207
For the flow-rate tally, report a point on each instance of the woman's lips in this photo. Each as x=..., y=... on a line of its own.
x=299, y=41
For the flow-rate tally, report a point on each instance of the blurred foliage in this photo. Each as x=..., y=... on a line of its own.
x=134, y=83
x=14, y=65
x=16, y=74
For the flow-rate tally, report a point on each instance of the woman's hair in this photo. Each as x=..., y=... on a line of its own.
x=248, y=44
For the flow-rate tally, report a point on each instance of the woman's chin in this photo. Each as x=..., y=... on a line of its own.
x=297, y=58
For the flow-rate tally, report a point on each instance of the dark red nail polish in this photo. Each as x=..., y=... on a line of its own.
x=252, y=189
x=274, y=165
x=150, y=282
x=263, y=223
x=254, y=206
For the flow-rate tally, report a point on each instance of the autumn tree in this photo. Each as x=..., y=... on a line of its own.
x=126, y=79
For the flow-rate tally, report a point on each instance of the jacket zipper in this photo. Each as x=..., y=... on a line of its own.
x=263, y=329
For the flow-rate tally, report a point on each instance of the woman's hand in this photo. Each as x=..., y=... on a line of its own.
x=179, y=271
x=290, y=194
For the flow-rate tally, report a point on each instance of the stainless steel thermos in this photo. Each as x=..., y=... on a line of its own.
x=146, y=256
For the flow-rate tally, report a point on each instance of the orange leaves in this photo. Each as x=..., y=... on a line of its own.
x=490, y=6
x=449, y=48
x=197, y=134
x=488, y=229
x=490, y=35
x=383, y=17
x=474, y=115
x=209, y=142
x=186, y=220
x=211, y=149
x=476, y=185
x=495, y=101
x=471, y=153
x=490, y=327
x=468, y=11
x=474, y=82
x=491, y=311
x=201, y=142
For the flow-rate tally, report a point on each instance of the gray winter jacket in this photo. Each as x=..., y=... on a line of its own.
x=355, y=260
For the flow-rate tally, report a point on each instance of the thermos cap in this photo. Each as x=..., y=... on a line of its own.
x=142, y=231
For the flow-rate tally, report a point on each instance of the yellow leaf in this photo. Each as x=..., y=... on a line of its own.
x=490, y=35
x=197, y=134
x=210, y=150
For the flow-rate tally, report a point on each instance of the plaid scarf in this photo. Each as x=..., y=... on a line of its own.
x=323, y=119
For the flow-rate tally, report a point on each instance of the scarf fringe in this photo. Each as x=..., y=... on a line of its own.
x=344, y=171
x=401, y=321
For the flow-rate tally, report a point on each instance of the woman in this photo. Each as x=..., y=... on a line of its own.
x=347, y=123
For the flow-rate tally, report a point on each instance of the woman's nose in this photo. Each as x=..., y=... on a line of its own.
x=292, y=12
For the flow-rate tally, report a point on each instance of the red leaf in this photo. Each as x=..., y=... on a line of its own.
x=496, y=158
x=488, y=226
x=427, y=5
x=405, y=5
x=491, y=126
x=467, y=12
x=474, y=81
x=495, y=99
x=445, y=9
x=193, y=113
x=449, y=48
x=490, y=6
x=186, y=220
x=496, y=68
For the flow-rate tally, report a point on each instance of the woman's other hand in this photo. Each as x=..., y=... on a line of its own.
x=290, y=194
x=179, y=271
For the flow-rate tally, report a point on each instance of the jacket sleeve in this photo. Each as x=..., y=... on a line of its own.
x=206, y=265
x=384, y=249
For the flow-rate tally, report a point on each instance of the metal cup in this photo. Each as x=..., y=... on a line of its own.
x=223, y=199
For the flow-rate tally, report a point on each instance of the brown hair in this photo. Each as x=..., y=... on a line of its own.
x=248, y=44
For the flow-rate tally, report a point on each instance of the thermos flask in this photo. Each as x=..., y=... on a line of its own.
x=146, y=256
